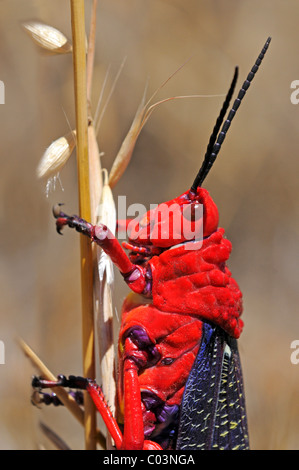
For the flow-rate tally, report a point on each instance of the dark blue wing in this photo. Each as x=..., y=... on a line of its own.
x=213, y=414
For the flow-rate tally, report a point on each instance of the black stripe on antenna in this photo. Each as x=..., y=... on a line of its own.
x=214, y=147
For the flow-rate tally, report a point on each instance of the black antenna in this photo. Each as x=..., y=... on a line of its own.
x=214, y=147
x=217, y=128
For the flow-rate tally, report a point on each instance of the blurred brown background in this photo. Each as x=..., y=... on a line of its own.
x=254, y=184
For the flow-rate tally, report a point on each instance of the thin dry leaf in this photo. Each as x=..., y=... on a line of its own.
x=103, y=298
x=102, y=206
x=95, y=172
x=125, y=153
x=106, y=215
x=53, y=437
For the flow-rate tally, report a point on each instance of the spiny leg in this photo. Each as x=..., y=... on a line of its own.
x=133, y=419
x=96, y=394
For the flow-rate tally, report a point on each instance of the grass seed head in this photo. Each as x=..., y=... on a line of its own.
x=48, y=38
x=56, y=156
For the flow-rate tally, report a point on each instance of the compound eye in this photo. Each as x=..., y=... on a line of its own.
x=193, y=212
x=167, y=361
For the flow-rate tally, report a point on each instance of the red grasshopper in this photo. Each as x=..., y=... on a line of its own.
x=180, y=381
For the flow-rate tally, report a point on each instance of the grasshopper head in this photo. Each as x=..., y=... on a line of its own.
x=189, y=217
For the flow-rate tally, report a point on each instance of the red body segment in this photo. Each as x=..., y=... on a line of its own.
x=197, y=282
x=188, y=284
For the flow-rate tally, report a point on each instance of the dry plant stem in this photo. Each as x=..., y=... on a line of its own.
x=79, y=59
x=91, y=51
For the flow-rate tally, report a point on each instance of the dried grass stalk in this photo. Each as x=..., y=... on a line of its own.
x=79, y=58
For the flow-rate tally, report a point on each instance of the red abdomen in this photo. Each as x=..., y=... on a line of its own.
x=166, y=346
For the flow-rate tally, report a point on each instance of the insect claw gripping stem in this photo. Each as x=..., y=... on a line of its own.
x=102, y=236
x=94, y=391
x=74, y=221
x=72, y=382
x=38, y=397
